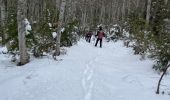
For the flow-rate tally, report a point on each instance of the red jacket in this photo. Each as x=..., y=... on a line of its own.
x=100, y=34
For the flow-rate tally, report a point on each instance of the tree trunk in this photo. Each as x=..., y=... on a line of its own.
x=24, y=57
x=57, y=5
x=166, y=2
x=3, y=16
x=102, y=12
x=60, y=23
x=123, y=11
x=159, y=83
x=3, y=12
x=148, y=11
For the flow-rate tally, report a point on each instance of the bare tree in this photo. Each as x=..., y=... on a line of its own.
x=166, y=1
x=3, y=17
x=159, y=82
x=3, y=12
x=58, y=4
x=60, y=24
x=148, y=11
x=21, y=11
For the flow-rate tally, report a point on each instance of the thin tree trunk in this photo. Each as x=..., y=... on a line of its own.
x=84, y=14
x=148, y=11
x=24, y=57
x=61, y=19
x=102, y=11
x=3, y=23
x=3, y=12
x=129, y=6
x=166, y=2
x=159, y=82
x=3, y=16
x=58, y=5
x=123, y=11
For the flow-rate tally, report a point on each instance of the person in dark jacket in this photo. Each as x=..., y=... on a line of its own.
x=100, y=35
x=88, y=36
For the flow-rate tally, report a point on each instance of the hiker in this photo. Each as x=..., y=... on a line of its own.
x=88, y=36
x=100, y=35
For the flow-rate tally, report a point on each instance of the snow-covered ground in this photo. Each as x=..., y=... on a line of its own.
x=85, y=73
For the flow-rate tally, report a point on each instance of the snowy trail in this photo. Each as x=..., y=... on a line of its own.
x=87, y=80
x=85, y=73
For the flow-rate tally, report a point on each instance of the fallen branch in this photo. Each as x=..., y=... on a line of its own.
x=159, y=82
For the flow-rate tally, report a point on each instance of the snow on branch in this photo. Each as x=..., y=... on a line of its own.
x=27, y=26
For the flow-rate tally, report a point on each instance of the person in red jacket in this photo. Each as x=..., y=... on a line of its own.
x=100, y=35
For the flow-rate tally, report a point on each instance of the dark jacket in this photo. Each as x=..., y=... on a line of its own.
x=89, y=34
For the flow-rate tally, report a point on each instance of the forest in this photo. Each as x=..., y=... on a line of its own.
x=34, y=28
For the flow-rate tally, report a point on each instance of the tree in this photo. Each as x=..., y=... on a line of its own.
x=148, y=11
x=21, y=12
x=60, y=25
x=3, y=17
x=159, y=82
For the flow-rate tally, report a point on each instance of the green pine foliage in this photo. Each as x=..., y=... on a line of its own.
x=137, y=33
x=159, y=13
x=69, y=37
x=12, y=30
x=152, y=39
x=40, y=38
x=42, y=34
x=161, y=52
x=161, y=39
